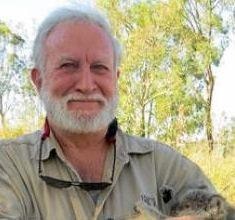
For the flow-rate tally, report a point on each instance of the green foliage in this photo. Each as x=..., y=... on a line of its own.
x=169, y=46
x=12, y=65
x=4, y=29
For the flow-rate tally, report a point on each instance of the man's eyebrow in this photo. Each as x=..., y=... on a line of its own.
x=104, y=59
x=99, y=62
x=62, y=59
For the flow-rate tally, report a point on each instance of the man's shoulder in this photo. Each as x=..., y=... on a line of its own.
x=142, y=144
x=24, y=141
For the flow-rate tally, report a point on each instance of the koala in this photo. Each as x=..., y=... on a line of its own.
x=203, y=205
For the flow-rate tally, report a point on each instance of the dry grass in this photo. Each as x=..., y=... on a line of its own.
x=219, y=169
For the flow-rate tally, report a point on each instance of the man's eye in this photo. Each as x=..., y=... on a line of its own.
x=69, y=66
x=99, y=67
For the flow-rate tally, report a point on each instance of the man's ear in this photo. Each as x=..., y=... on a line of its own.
x=36, y=78
x=118, y=73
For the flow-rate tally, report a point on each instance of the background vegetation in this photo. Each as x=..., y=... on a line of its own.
x=167, y=81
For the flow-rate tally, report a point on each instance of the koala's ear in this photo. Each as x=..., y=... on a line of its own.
x=217, y=201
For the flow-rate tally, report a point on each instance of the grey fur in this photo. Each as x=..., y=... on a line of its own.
x=205, y=205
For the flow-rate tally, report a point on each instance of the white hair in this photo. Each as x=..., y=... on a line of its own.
x=74, y=12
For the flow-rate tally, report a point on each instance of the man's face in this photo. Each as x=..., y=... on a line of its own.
x=79, y=84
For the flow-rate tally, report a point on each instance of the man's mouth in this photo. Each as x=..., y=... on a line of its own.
x=84, y=104
x=84, y=100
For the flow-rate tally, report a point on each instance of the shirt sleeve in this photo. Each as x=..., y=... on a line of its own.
x=13, y=194
x=176, y=175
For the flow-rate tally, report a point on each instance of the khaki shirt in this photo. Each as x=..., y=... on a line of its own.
x=149, y=177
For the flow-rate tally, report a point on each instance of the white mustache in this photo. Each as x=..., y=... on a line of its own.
x=82, y=97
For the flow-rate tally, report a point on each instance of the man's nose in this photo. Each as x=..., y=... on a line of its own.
x=85, y=80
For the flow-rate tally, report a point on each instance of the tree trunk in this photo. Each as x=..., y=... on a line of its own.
x=2, y=115
x=149, y=119
x=209, y=123
x=210, y=88
x=142, y=132
x=3, y=121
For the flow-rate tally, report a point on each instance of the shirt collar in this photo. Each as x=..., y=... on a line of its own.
x=49, y=145
x=126, y=146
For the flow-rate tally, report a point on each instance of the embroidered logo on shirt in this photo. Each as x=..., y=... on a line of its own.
x=148, y=200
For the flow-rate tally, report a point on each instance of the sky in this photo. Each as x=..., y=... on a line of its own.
x=29, y=11
x=223, y=101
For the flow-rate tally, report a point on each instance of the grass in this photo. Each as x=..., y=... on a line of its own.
x=220, y=169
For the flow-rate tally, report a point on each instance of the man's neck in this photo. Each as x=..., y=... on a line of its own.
x=80, y=141
x=85, y=152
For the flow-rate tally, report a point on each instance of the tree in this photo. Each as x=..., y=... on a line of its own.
x=10, y=67
x=167, y=84
x=205, y=19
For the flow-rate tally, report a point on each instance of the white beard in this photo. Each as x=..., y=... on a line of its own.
x=78, y=121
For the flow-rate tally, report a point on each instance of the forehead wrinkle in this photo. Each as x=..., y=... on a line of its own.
x=68, y=58
x=96, y=59
x=102, y=45
x=62, y=31
x=77, y=53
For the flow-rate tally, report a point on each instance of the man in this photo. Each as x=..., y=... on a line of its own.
x=81, y=165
